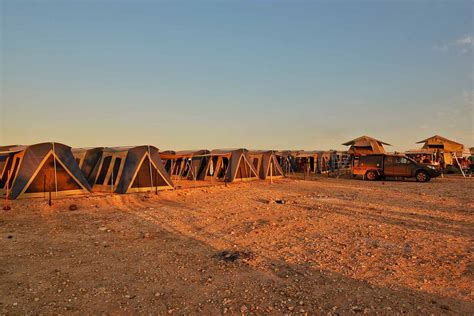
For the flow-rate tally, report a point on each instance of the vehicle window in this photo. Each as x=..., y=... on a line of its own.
x=404, y=161
x=390, y=160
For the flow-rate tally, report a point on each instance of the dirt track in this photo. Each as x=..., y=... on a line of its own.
x=333, y=246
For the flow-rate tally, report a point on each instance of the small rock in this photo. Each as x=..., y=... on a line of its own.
x=356, y=309
x=73, y=207
x=102, y=229
x=157, y=294
x=243, y=309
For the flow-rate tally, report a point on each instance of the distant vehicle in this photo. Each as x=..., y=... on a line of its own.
x=380, y=166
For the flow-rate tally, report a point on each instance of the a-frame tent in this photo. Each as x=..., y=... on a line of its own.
x=185, y=164
x=307, y=161
x=228, y=166
x=9, y=161
x=45, y=168
x=131, y=169
x=88, y=160
x=287, y=160
x=266, y=164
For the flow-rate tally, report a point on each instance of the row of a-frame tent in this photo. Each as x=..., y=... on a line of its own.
x=42, y=169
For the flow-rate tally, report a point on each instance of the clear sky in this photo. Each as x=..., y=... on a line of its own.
x=255, y=74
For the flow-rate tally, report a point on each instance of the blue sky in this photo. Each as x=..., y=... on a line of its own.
x=264, y=74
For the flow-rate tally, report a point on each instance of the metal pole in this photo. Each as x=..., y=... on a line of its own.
x=149, y=164
x=6, y=208
x=55, y=176
x=112, y=178
x=271, y=171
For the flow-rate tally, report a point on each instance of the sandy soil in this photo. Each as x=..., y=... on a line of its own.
x=331, y=247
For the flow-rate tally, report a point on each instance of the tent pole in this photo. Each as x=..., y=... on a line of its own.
x=149, y=165
x=55, y=175
x=112, y=182
x=6, y=208
x=271, y=171
x=459, y=165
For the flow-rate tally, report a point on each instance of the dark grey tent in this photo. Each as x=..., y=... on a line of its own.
x=9, y=162
x=88, y=160
x=229, y=165
x=186, y=164
x=47, y=167
x=266, y=164
x=131, y=169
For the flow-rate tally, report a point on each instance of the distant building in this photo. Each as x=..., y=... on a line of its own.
x=366, y=145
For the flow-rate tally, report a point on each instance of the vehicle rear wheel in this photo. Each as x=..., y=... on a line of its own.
x=422, y=176
x=371, y=175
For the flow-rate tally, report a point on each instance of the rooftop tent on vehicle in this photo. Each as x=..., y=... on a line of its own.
x=44, y=168
x=185, y=164
x=131, y=169
x=366, y=145
x=228, y=165
x=266, y=164
x=88, y=160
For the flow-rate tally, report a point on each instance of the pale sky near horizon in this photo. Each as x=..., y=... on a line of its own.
x=221, y=74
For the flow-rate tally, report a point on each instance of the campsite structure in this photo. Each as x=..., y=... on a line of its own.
x=228, y=165
x=130, y=169
x=41, y=169
x=366, y=145
x=185, y=164
x=442, y=146
x=9, y=161
x=88, y=159
x=266, y=164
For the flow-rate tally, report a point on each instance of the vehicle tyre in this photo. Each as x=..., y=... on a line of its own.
x=422, y=176
x=371, y=175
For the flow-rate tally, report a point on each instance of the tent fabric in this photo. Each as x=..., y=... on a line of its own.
x=228, y=165
x=366, y=145
x=216, y=166
x=240, y=166
x=185, y=164
x=266, y=164
x=446, y=146
x=88, y=160
x=136, y=174
x=9, y=162
x=36, y=173
x=442, y=143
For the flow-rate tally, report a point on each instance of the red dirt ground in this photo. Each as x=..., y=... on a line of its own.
x=332, y=247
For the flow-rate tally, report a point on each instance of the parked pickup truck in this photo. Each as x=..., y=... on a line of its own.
x=380, y=166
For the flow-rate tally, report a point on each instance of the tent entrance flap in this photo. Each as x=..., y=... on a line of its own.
x=148, y=176
x=45, y=179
